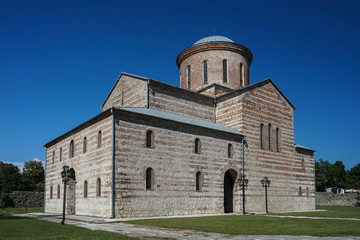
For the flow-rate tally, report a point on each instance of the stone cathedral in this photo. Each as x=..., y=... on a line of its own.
x=160, y=150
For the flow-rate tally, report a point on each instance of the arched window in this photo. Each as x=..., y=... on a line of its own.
x=303, y=164
x=71, y=149
x=60, y=154
x=198, y=181
x=241, y=75
x=188, y=73
x=58, y=191
x=53, y=157
x=150, y=179
x=149, y=139
x=85, y=189
x=262, y=136
x=197, y=146
x=225, y=79
x=205, y=72
x=99, y=139
x=277, y=140
x=84, y=145
x=51, y=192
x=98, y=187
x=300, y=191
x=270, y=143
x=230, y=150
x=307, y=192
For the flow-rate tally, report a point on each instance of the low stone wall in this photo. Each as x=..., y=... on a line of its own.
x=331, y=199
x=27, y=199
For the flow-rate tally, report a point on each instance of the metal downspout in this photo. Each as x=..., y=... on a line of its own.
x=113, y=166
x=45, y=180
x=147, y=93
x=214, y=117
x=314, y=182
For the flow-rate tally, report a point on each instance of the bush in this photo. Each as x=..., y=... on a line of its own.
x=7, y=200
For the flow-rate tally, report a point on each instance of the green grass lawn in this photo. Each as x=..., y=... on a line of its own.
x=334, y=212
x=263, y=225
x=12, y=228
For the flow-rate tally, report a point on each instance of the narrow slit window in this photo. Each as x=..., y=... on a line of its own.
x=262, y=136
x=60, y=158
x=277, y=139
x=51, y=192
x=149, y=179
x=99, y=139
x=230, y=150
x=85, y=189
x=241, y=75
x=269, y=133
x=71, y=149
x=149, y=139
x=198, y=181
x=53, y=157
x=225, y=78
x=197, y=146
x=188, y=76
x=84, y=145
x=98, y=187
x=205, y=72
x=300, y=191
x=58, y=191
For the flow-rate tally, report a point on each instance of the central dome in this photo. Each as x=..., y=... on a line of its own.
x=213, y=39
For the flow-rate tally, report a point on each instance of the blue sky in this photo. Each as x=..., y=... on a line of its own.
x=59, y=60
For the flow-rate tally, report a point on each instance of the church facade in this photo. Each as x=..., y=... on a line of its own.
x=161, y=150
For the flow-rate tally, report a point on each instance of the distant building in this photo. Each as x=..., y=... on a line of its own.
x=157, y=149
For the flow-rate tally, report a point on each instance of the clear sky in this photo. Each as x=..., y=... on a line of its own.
x=59, y=60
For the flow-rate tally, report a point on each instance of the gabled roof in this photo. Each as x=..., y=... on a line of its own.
x=180, y=119
x=151, y=113
x=252, y=86
x=305, y=148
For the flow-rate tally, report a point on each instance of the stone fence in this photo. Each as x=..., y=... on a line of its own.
x=26, y=199
x=331, y=199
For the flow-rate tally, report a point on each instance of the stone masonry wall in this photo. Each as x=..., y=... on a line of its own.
x=175, y=165
x=291, y=174
x=128, y=92
x=90, y=165
x=331, y=199
x=27, y=199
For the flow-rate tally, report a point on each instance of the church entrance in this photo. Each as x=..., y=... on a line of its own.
x=71, y=193
x=229, y=180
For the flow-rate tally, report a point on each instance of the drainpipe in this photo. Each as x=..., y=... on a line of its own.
x=45, y=180
x=244, y=143
x=113, y=166
x=314, y=181
x=147, y=93
x=214, y=117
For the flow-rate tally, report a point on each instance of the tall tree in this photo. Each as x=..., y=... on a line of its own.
x=33, y=176
x=337, y=174
x=354, y=176
x=10, y=178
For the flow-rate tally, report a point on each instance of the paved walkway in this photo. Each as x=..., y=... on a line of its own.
x=152, y=233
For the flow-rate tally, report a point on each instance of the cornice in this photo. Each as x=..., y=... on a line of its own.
x=227, y=46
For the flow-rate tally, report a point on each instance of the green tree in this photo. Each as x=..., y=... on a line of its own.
x=33, y=176
x=322, y=175
x=354, y=176
x=10, y=178
x=337, y=174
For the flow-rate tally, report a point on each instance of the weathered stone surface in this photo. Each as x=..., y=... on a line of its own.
x=331, y=199
x=27, y=199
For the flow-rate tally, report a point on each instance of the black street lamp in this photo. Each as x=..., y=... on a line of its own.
x=266, y=183
x=65, y=178
x=243, y=183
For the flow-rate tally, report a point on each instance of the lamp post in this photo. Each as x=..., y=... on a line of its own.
x=243, y=181
x=65, y=178
x=266, y=183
